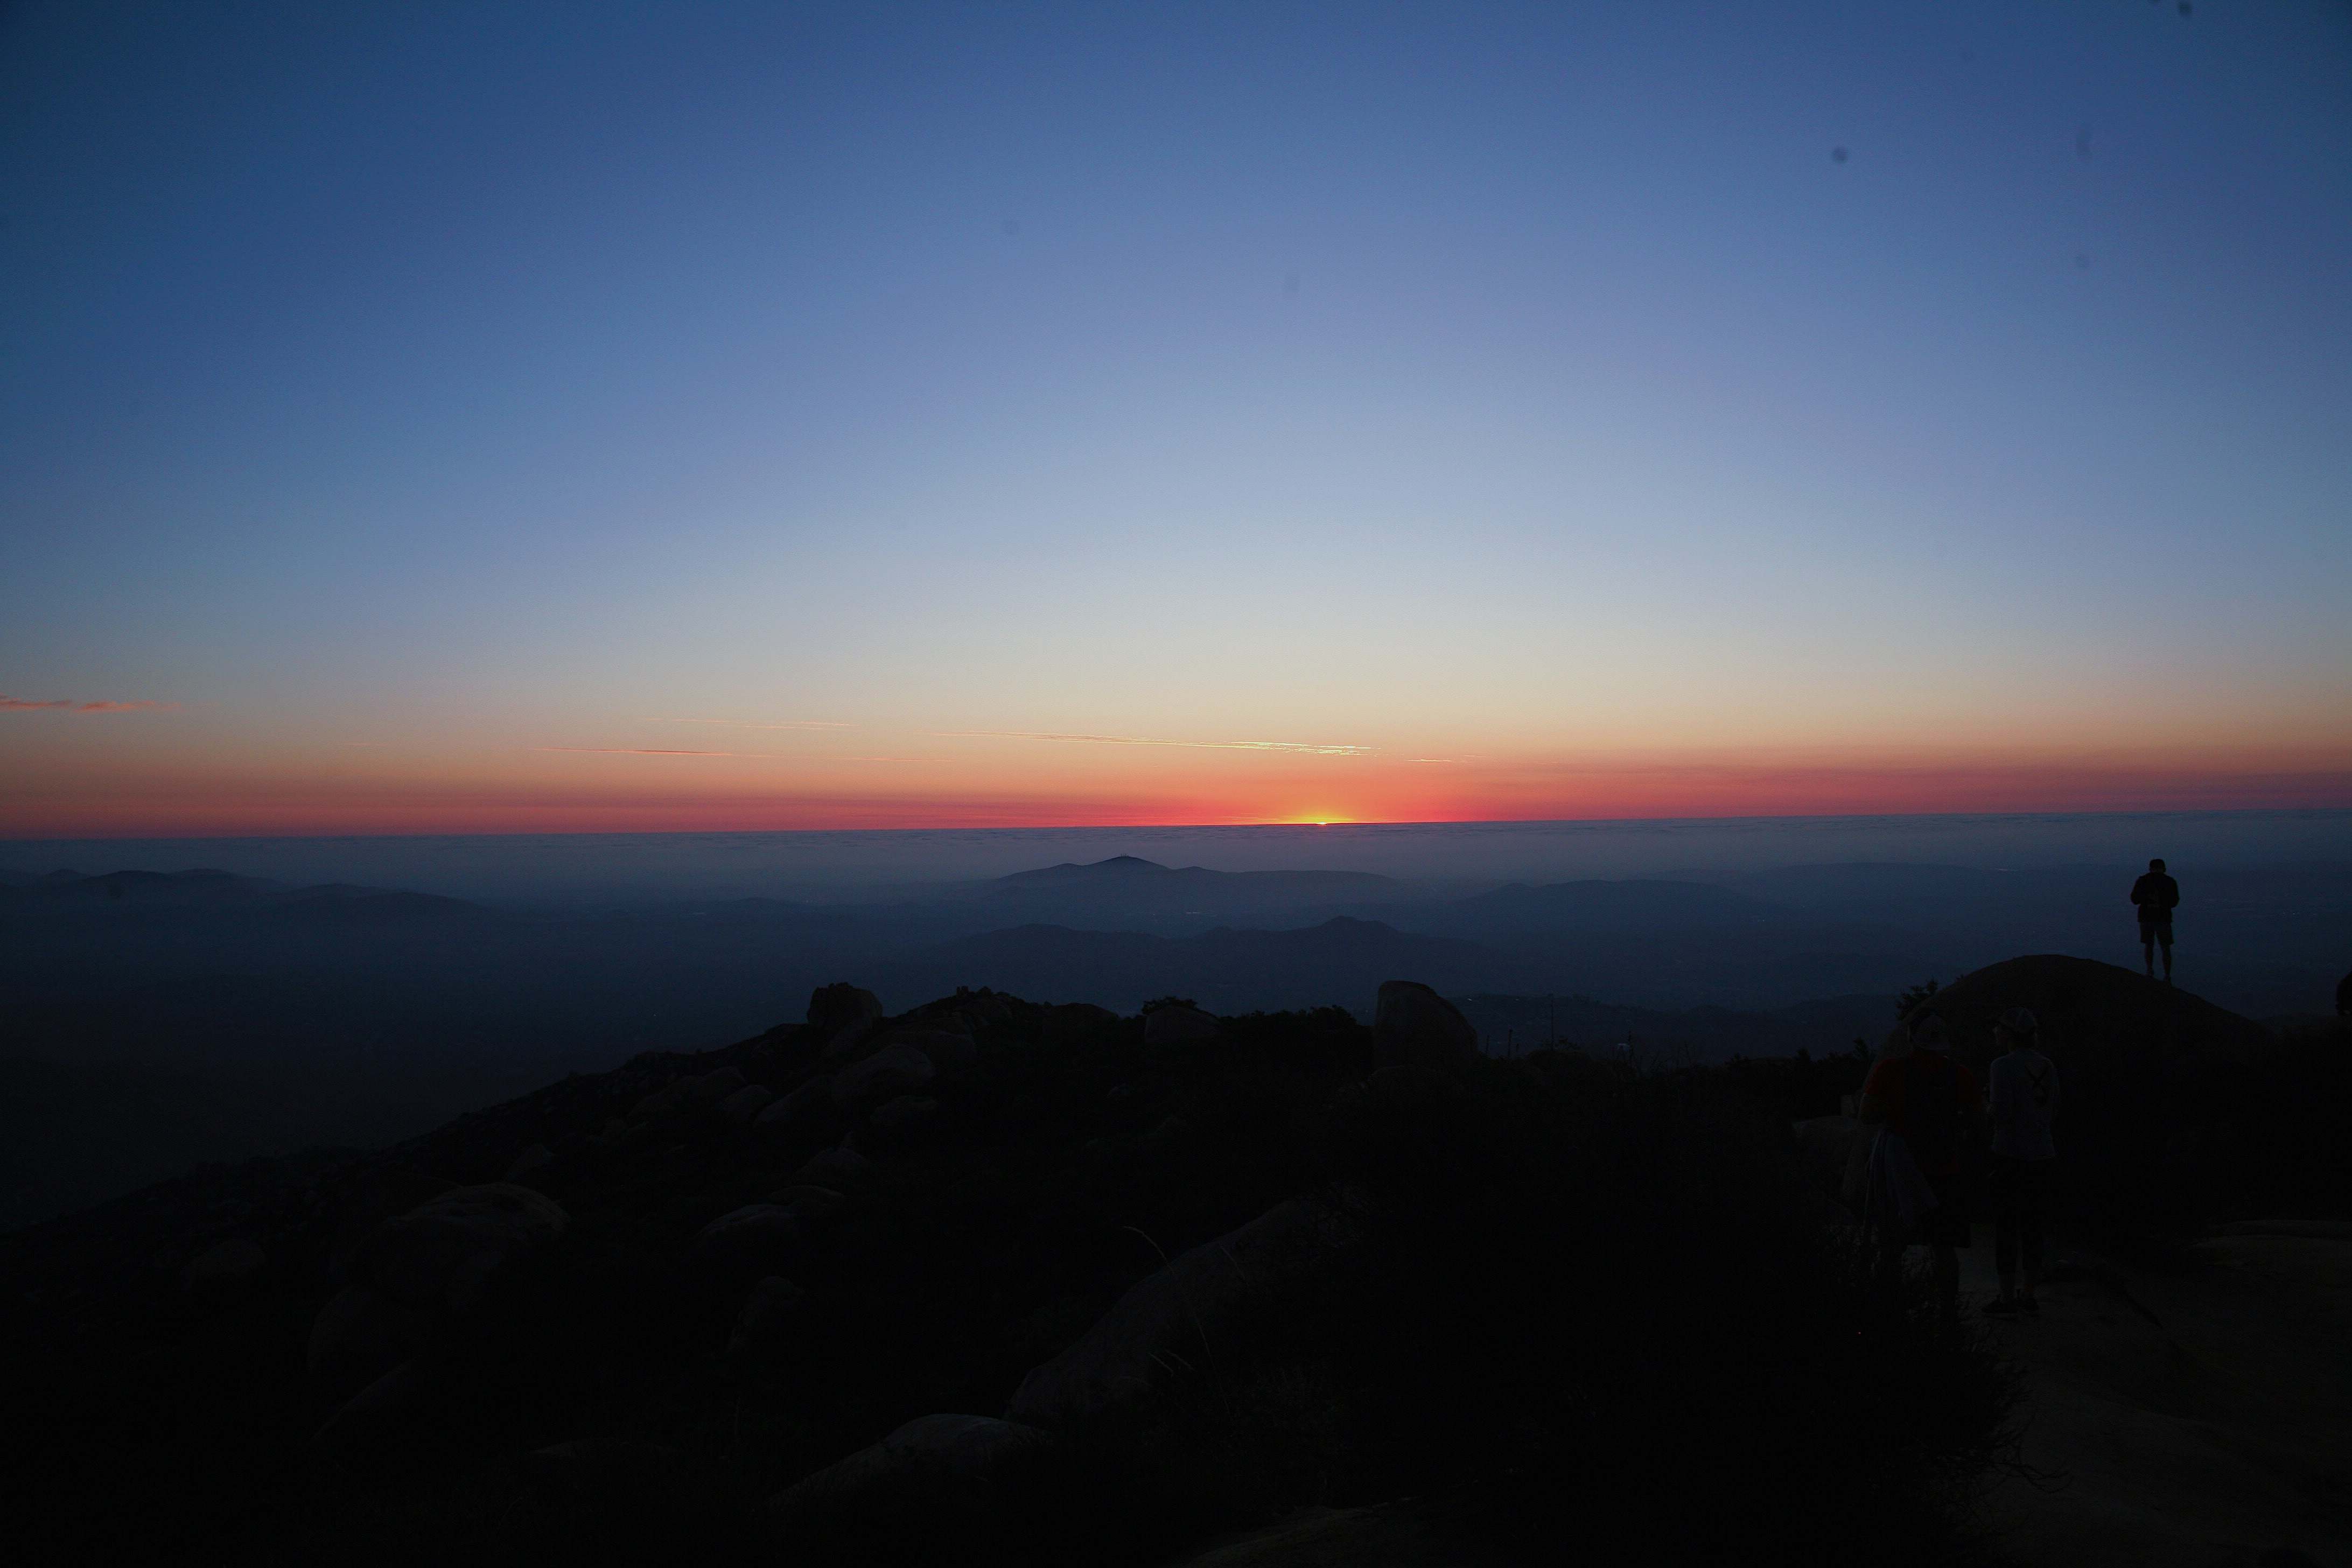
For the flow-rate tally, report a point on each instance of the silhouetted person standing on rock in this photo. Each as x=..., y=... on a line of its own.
x=2024, y=1156
x=2156, y=896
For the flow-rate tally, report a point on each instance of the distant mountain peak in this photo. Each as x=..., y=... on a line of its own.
x=1072, y=871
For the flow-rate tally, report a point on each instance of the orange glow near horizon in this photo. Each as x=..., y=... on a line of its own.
x=644, y=794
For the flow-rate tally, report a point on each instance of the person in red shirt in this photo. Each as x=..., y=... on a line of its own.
x=1931, y=1102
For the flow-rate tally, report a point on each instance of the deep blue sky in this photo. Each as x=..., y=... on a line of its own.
x=1522, y=403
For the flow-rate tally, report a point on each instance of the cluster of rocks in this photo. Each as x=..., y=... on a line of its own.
x=410, y=1252
x=975, y=1464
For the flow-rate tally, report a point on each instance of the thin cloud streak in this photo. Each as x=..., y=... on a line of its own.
x=686, y=752
x=748, y=724
x=643, y=751
x=1304, y=747
x=68, y=705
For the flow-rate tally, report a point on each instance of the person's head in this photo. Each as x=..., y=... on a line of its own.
x=2018, y=1029
x=2157, y=865
x=1928, y=1034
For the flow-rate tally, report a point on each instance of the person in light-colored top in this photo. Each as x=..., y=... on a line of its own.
x=2024, y=1094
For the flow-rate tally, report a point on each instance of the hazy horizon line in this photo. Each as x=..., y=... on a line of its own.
x=1336, y=823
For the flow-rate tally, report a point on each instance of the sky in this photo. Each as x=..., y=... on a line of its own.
x=465, y=418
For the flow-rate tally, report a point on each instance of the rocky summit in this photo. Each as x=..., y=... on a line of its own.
x=996, y=1280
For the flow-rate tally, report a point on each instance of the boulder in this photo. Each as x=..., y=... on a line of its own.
x=712, y=1089
x=843, y=1016
x=225, y=1273
x=1170, y=1133
x=834, y=1168
x=371, y=1414
x=931, y=1465
x=358, y=1336
x=1075, y=1020
x=441, y=1252
x=836, y=1006
x=1170, y=1319
x=905, y=1114
x=746, y=1103
x=2159, y=1088
x=1414, y=1026
x=770, y=1305
x=1177, y=1025
x=811, y=1204
x=810, y=1103
x=983, y=1007
x=600, y=1470
x=753, y=1231
x=840, y=1047
x=892, y=1070
x=662, y=1102
x=531, y=1158
x=948, y=1048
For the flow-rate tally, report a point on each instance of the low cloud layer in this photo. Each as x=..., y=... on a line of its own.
x=68, y=705
x=1308, y=748
x=755, y=724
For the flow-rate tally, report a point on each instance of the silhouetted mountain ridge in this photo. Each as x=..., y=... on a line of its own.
x=224, y=892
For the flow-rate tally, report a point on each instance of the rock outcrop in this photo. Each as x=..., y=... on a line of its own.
x=932, y=1465
x=834, y=1168
x=841, y=1016
x=746, y=1103
x=756, y=1233
x=804, y=1107
x=440, y=1254
x=1414, y=1026
x=1177, y=1025
x=770, y=1306
x=358, y=1336
x=947, y=1049
x=225, y=1273
x=1168, y=1319
x=1075, y=1020
x=890, y=1071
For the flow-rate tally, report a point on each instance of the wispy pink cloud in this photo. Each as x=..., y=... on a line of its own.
x=68, y=705
x=1310, y=748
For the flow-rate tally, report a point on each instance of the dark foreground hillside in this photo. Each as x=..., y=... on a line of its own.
x=996, y=1281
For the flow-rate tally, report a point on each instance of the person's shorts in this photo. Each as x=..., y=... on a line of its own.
x=2155, y=931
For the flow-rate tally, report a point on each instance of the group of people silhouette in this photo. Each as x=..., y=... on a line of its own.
x=1935, y=1121
x=1938, y=1126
